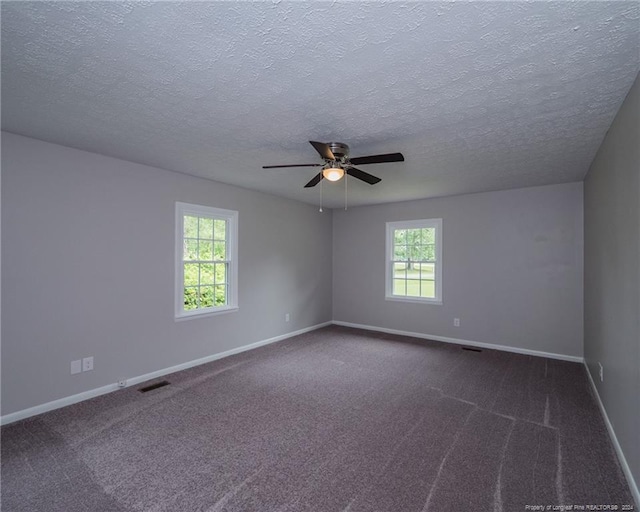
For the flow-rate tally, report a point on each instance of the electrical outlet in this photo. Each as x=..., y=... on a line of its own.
x=122, y=383
x=456, y=322
x=287, y=317
x=601, y=372
x=87, y=364
x=76, y=366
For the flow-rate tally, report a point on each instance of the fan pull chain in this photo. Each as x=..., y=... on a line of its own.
x=345, y=191
x=321, y=180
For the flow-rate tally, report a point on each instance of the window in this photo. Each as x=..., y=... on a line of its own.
x=414, y=261
x=206, y=260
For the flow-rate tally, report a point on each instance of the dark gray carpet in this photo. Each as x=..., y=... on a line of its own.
x=333, y=420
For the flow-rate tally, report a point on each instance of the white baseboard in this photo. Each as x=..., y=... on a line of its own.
x=132, y=381
x=457, y=341
x=614, y=439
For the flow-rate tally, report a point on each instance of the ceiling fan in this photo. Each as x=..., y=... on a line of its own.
x=337, y=163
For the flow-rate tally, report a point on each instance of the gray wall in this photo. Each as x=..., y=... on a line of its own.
x=612, y=274
x=512, y=268
x=88, y=269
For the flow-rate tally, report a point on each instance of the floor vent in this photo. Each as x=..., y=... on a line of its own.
x=472, y=349
x=154, y=386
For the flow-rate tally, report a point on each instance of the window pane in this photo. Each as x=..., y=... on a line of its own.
x=219, y=251
x=190, y=249
x=220, y=295
x=428, y=289
x=190, y=298
x=399, y=270
x=413, y=270
x=206, y=228
x=413, y=236
x=428, y=236
x=190, y=226
x=415, y=253
x=191, y=274
x=400, y=252
x=206, y=296
x=400, y=236
x=413, y=288
x=221, y=273
x=206, y=273
x=206, y=250
x=220, y=229
x=430, y=252
x=427, y=271
x=399, y=287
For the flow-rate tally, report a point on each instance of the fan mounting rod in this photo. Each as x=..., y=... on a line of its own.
x=339, y=149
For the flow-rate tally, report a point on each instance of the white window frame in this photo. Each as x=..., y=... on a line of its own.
x=231, y=232
x=413, y=224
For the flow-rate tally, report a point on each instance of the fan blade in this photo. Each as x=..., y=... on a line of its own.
x=361, y=175
x=292, y=165
x=316, y=179
x=323, y=149
x=377, y=159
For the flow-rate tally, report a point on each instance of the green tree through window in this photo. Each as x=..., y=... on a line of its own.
x=205, y=269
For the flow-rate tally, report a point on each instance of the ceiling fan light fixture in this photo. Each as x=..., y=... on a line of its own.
x=336, y=163
x=333, y=173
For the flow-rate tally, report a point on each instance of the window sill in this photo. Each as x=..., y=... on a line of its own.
x=416, y=300
x=203, y=314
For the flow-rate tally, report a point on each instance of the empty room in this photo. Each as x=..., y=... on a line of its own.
x=320, y=256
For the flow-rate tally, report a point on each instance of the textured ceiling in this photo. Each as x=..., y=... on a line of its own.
x=478, y=96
